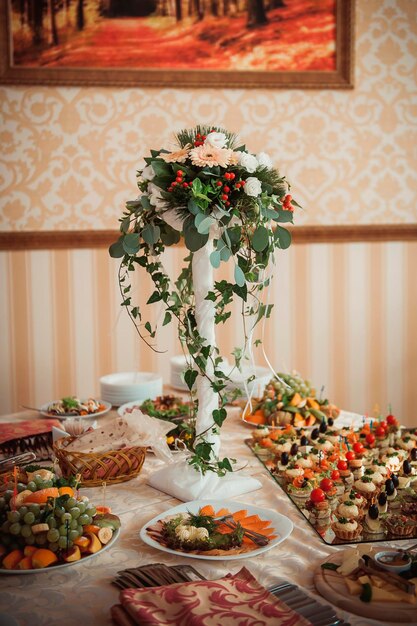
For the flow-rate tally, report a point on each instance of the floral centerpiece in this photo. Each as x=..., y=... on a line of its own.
x=227, y=204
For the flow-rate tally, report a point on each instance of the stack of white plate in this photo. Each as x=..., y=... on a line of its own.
x=255, y=387
x=130, y=386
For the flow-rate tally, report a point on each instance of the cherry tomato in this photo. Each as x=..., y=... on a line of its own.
x=335, y=475
x=391, y=420
x=358, y=447
x=317, y=495
x=370, y=438
x=380, y=431
x=383, y=424
x=326, y=484
x=342, y=465
x=350, y=455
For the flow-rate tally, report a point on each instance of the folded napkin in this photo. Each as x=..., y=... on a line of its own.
x=235, y=600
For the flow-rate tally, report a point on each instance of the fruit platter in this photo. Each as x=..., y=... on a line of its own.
x=45, y=523
x=352, y=484
x=216, y=530
x=289, y=399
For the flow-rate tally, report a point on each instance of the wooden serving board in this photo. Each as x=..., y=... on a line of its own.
x=331, y=586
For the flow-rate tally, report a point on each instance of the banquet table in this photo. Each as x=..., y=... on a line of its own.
x=83, y=593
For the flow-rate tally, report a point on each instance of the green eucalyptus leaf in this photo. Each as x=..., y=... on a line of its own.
x=284, y=215
x=193, y=239
x=151, y=234
x=161, y=168
x=117, y=250
x=260, y=239
x=239, y=276
x=215, y=258
x=169, y=236
x=225, y=253
x=204, y=224
x=132, y=205
x=193, y=206
x=282, y=237
x=131, y=243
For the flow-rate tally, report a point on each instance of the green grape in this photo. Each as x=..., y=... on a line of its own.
x=2, y=503
x=62, y=542
x=73, y=535
x=53, y=535
x=74, y=524
x=59, y=511
x=8, y=494
x=47, y=484
x=41, y=539
x=63, y=530
x=21, y=487
x=82, y=506
x=84, y=519
x=29, y=518
x=51, y=521
x=13, y=516
x=80, y=529
x=53, y=545
x=23, y=510
x=32, y=486
x=38, y=480
x=71, y=502
x=26, y=530
x=66, y=517
x=30, y=540
x=75, y=512
x=15, y=528
x=35, y=509
x=91, y=510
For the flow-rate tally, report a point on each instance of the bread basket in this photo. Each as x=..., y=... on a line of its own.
x=110, y=467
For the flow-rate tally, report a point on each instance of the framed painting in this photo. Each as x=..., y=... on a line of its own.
x=178, y=43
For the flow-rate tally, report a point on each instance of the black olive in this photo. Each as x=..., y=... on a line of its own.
x=294, y=449
x=395, y=480
x=362, y=436
x=323, y=426
x=284, y=458
x=304, y=483
x=303, y=441
x=407, y=467
x=315, y=434
x=382, y=498
x=373, y=511
x=414, y=454
x=389, y=487
x=330, y=421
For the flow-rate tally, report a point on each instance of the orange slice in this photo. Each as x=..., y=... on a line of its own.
x=41, y=496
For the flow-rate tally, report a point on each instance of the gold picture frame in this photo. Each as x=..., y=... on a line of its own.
x=340, y=78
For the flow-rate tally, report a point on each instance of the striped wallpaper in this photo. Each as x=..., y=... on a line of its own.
x=345, y=316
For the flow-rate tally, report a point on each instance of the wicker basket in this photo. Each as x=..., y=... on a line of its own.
x=112, y=467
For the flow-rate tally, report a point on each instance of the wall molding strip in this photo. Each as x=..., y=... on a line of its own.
x=56, y=240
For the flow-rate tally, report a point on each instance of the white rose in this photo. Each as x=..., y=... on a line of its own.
x=264, y=159
x=252, y=187
x=148, y=173
x=218, y=140
x=248, y=161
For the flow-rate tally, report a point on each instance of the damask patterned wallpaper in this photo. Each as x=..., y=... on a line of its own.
x=69, y=155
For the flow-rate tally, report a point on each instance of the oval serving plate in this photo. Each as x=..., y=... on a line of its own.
x=53, y=568
x=44, y=411
x=281, y=524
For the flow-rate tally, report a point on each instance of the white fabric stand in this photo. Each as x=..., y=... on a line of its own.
x=180, y=479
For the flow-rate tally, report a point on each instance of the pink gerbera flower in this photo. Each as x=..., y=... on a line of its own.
x=210, y=156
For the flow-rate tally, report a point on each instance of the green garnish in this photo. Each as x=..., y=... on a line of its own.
x=366, y=595
x=331, y=566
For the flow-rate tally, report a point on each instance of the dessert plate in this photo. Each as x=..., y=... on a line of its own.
x=280, y=523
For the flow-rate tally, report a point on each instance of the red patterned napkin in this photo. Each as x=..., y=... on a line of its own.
x=235, y=600
x=27, y=428
x=34, y=435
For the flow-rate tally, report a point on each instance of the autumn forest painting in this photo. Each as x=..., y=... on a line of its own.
x=259, y=35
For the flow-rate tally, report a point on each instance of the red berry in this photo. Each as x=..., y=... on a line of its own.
x=227, y=176
x=391, y=420
x=219, y=183
x=180, y=173
x=204, y=137
x=358, y=447
x=287, y=199
x=350, y=455
x=227, y=203
x=174, y=183
x=383, y=424
x=185, y=184
x=326, y=484
x=226, y=189
x=370, y=438
x=342, y=465
x=198, y=136
x=380, y=431
x=335, y=475
x=242, y=182
x=224, y=196
x=232, y=176
x=170, y=189
x=238, y=186
x=317, y=495
x=179, y=179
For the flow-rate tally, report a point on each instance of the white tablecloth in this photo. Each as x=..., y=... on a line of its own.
x=83, y=594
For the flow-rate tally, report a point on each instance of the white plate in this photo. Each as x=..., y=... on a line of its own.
x=281, y=524
x=53, y=568
x=44, y=411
